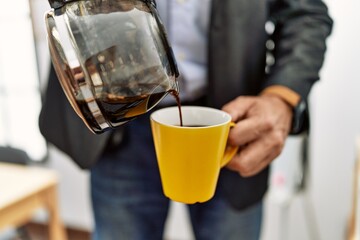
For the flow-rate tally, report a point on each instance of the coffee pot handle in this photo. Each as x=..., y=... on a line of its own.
x=230, y=151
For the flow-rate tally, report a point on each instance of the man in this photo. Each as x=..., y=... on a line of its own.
x=221, y=47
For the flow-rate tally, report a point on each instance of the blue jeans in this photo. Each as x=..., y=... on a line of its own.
x=128, y=202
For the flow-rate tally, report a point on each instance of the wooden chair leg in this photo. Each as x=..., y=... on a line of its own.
x=56, y=227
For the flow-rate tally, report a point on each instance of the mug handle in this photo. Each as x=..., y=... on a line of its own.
x=230, y=151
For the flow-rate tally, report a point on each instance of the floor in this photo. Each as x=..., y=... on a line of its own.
x=36, y=231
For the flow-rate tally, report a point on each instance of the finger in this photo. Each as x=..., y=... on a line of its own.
x=248, y=130
x=238, y=107
x=256, y=156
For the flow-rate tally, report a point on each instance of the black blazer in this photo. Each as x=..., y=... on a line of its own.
x=237, y=62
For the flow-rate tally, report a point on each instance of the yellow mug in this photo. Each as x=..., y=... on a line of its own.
x=190, y=157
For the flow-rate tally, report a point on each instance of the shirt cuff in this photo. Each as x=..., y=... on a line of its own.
x=284, y=93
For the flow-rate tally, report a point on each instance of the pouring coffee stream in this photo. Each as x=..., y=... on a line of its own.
x=178, y=102
x=112, y=58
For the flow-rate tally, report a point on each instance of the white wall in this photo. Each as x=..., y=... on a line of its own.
x=335, y=123
x=336, y=114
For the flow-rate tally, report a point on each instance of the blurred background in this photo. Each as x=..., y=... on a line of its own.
x=322, y=210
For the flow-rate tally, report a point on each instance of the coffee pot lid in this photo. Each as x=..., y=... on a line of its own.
x=59, y=3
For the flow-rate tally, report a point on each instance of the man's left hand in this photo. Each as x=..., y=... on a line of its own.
x=262, y=126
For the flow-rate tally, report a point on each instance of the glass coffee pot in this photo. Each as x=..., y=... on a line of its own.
x=112, y=58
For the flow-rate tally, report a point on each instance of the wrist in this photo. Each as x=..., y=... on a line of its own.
x=289, y=96
x=300, y=118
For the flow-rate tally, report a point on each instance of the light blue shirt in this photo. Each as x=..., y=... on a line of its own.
x=186, y=23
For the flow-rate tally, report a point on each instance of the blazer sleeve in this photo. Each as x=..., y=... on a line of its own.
x=301, y=28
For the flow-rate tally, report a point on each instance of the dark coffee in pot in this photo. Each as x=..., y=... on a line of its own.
x=119, y=109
